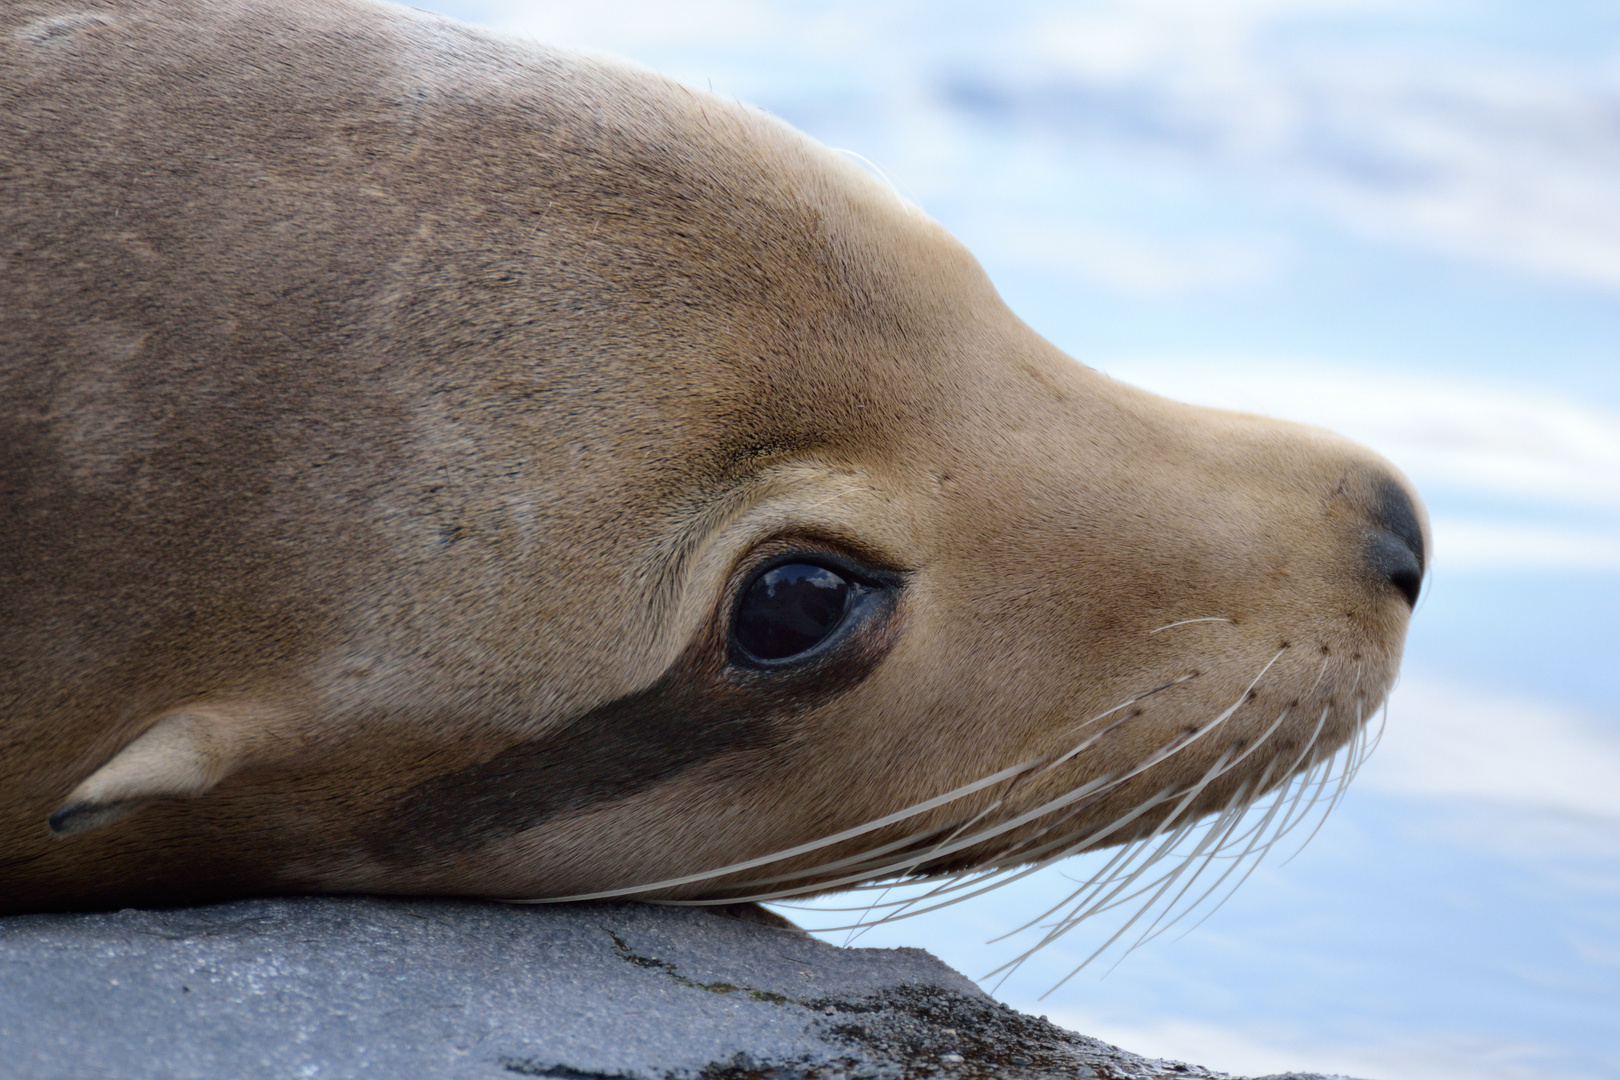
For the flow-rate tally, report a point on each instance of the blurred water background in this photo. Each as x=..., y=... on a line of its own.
x=1400, y=220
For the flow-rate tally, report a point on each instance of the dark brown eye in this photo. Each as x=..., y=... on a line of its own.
x=790, y=609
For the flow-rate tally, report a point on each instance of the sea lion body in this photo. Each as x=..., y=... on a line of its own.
x=395, y=416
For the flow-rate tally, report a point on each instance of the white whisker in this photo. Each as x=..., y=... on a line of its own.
x=1110, y=899
x=1183, y=867
x=1236, y=810
x=1187, y=622
x=867, y=873
x=802, y=849
x=1351, y=765
x=1093, y=788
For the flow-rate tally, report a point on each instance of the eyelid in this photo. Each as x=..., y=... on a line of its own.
x=856, y=571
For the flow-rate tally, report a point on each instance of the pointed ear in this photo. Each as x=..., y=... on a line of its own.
x=185, y=753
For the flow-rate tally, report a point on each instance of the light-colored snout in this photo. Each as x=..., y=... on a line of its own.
x=1183, y=607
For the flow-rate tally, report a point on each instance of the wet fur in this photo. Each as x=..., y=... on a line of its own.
x=412, y=402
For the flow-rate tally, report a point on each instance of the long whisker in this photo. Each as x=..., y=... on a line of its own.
x=1143, y=807
x=1186, y=622
x=1221, y=836
x=1093, y=788
x=1241, y=801
x=1088, y=789
x=802, y=849
x=1070, y=753
x=972, y=841
x=1219, y=769
x=1169, y=880
x=847, y=834
x=1199, y=859
x=1252, y=821
x=924, y=857
x=1351, y=766
x=899, y=867
x=969, y=879
x=1113, y=898
x=1224, y=823
x=1110, y=899
x=1240, y=836
x=1029, y=777
x=1068, y=845
x=1256, y=848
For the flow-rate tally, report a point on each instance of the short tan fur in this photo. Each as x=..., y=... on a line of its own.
x=391, y=412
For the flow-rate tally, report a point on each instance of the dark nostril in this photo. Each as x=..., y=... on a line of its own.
x=1396, y=551
x=1397, y=563
x=1397, y=515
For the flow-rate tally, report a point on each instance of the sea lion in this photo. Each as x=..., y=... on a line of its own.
x=434, y=463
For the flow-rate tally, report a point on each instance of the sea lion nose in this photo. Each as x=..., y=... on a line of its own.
x=1395, y=551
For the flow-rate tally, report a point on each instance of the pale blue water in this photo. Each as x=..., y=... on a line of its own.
x=1427, y=196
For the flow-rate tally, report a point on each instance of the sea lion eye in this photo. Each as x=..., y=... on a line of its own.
x=790, y=609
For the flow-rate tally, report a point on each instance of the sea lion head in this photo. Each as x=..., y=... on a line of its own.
x=495, y=471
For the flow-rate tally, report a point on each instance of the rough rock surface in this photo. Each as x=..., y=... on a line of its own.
x=401, y=989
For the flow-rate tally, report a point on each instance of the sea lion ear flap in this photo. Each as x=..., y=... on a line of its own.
x=187, y=752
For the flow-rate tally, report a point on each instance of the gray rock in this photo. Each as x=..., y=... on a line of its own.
x=399, y=989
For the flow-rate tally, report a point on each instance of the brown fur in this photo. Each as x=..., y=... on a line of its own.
x=391, y=411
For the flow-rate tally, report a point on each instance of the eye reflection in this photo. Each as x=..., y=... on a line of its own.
x=790, y=609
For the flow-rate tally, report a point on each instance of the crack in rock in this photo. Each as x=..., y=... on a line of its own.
x=405, y=989
x=915, y=1033
x=627, y=953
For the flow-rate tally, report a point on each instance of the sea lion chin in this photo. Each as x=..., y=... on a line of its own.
x=434, y=463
